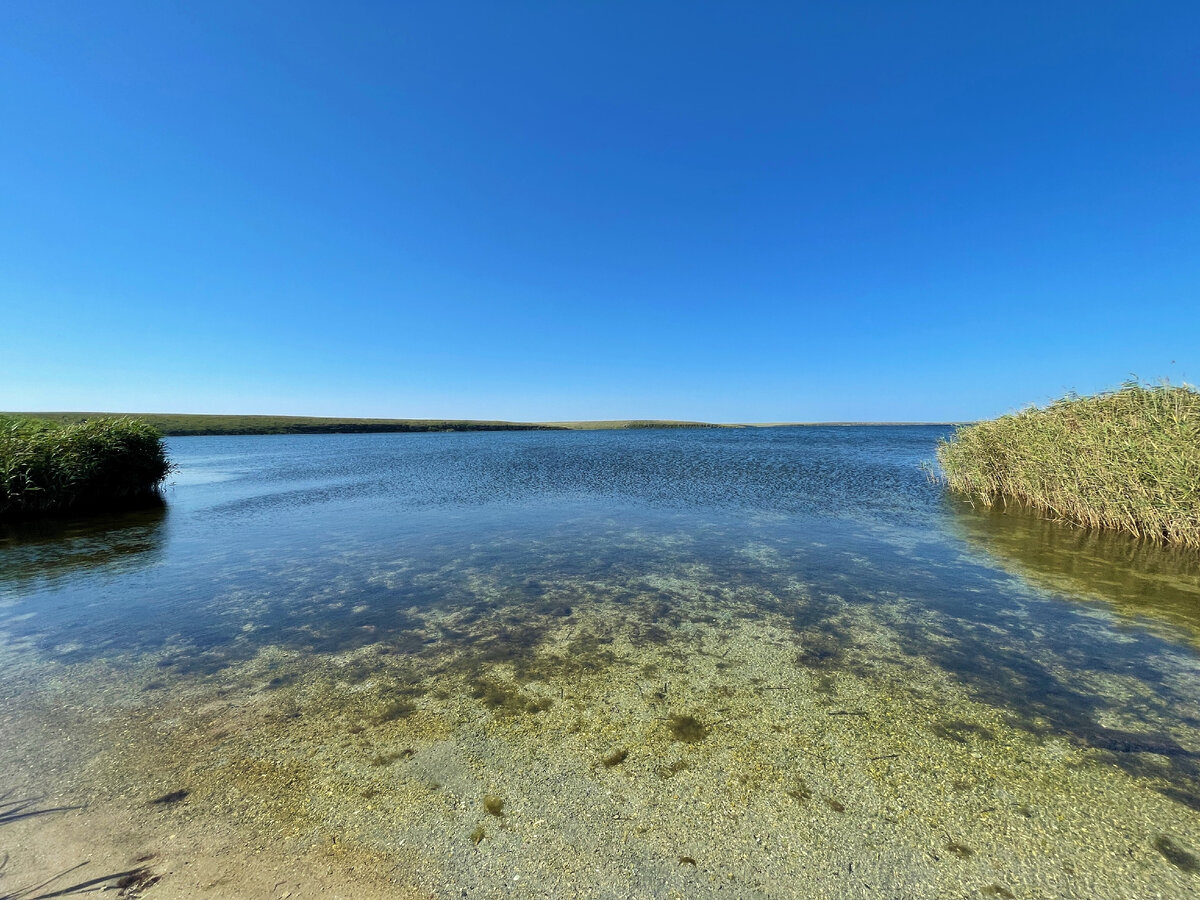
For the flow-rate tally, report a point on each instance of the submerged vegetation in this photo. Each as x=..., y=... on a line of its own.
x=1127, y=460
x=102, y=463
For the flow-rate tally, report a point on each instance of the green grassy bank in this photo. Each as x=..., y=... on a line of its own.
x=180, y=424
x=1127, y=460
x=101, y=464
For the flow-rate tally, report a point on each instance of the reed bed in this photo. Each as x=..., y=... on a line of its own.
x=100, y=464
x=1127, y=460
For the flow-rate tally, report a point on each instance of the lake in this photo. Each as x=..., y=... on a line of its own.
x=773, y=662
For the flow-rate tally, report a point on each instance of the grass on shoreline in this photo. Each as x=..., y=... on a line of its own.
x=183, y=424
x=104, y=463
x=1127, y=460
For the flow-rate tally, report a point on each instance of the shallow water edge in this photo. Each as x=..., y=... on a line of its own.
x=550, y=696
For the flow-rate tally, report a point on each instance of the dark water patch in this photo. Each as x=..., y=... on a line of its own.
x=820, y=649
x=650, y=635
x=1176, y=855
x=1038, y=658
x=287, y=679
x=1118, y=741
x=358, y=670
x=687, y=728
x=825, y=684
x=504, y=698
x=198, y=662
x=509, y=643
x=396, y=709
x=173, y=797
x=1188, y=798
x=45, y=552
x=1042, y=701
x=615, y=757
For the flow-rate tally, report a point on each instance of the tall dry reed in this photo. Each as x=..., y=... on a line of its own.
x=1127, y=459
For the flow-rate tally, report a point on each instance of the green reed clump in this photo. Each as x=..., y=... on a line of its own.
x=103, y=463
x=1127, y=459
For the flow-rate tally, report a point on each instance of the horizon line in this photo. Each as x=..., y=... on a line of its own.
x=521, y=423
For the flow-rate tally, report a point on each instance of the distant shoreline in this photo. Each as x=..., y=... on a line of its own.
x=183, y=425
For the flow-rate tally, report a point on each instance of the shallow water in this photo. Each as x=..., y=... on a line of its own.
x=764, y=662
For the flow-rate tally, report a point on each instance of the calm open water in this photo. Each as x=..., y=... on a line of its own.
x=761, y=662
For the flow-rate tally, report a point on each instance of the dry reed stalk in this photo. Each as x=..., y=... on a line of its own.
x=1127, y=460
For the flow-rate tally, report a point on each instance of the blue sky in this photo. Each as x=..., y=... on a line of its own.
x=538, y=211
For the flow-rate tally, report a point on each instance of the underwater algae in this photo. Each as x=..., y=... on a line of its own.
x=895, y=753
x=615, y=757
x=687, y=728
x=1176, y=855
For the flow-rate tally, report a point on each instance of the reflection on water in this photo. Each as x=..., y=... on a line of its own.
x=614, y=664
x=42, y=552
x=1137, y=579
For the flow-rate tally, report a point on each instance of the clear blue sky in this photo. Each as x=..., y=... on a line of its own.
x=570, y=210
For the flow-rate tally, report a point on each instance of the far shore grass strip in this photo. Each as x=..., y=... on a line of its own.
x=182, y=424
x=186, y=424
x=1127, y=460
x=102, y=464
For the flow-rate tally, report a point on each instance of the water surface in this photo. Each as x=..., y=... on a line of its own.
x=762, y=662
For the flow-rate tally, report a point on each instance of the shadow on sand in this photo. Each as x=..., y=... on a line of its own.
x=129, y=883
